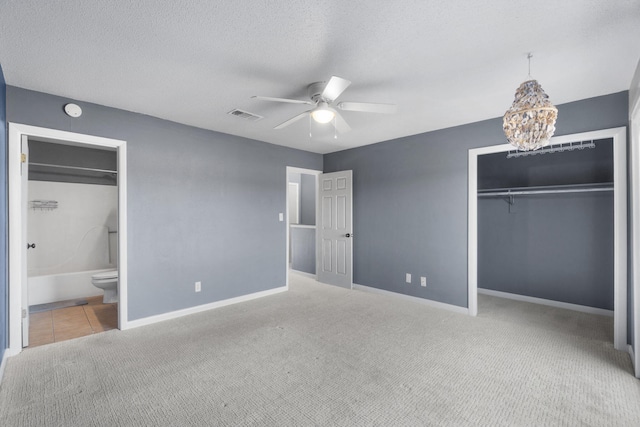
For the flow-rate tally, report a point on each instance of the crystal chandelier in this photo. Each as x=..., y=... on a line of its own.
x=531, y=120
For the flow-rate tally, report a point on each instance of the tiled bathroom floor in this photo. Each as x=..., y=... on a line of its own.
x=72, y=322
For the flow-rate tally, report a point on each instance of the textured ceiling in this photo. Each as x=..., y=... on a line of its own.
x=444, y=63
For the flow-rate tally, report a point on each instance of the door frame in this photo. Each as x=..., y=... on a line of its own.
x=292, y=170
x=16, y=242
x=297, y=186
x=619, y=136
x=634, y=153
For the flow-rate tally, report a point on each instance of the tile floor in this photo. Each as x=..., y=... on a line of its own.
x=72, y=322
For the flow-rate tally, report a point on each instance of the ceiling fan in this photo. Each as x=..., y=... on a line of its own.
x=323, y=96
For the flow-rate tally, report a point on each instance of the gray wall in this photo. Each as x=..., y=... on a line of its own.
x=202, y=206
x=4, y=242
x=303, y=249
x=410, y=199
x=556, y=247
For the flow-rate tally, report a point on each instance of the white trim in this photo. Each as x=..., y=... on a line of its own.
x=123, y=253
x=632, y=355
x=297, y=187
x=620, y=236
x=301, y=226
x=472, y=230
x=634, y=191
x=634, y=93
x=424, y=301
x=16, y=131
x=200, y=308
x=5, y=356
x=547, y=302
x=619, y=136
x=290, y=170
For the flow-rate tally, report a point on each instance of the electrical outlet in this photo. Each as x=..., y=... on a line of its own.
x=408, y=278
x=198, y=286
x=423, y=281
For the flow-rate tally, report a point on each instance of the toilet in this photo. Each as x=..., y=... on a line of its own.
x=107, y=281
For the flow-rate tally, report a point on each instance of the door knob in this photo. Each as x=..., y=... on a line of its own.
x=33, y=245
x=348, y=235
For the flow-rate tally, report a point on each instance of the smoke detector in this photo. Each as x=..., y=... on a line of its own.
x=73, y=110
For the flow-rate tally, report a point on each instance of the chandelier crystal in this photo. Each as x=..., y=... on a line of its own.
x=531, y=120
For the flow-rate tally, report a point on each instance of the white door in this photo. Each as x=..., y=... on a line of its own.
x=24, y=184
x=335, y=235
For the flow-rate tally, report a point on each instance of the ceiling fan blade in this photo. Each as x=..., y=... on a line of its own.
x=368, y=107
x=334, y=88
x=340, y=123
x=291, y=101
x=292, y=120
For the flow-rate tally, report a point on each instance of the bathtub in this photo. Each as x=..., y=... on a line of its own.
x=60, y=287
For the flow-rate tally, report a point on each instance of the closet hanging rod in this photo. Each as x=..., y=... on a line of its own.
x=556, y=191
x=73, y=167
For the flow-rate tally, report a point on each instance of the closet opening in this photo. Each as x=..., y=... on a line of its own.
x=550, y=229
x=545, y=227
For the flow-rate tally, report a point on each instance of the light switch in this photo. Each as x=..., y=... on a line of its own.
x=281, y=216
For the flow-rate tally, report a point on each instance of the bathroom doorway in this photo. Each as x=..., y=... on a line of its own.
x=72, y=239
x=68, y=197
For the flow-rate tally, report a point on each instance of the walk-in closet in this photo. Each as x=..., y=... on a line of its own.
x=546, y=224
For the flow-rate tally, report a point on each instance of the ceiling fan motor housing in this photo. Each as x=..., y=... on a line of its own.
x=315, y=92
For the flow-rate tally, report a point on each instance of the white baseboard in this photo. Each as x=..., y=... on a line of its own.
x=5, y=356
x=551, y=303
x=200, y=308
x=430, y=303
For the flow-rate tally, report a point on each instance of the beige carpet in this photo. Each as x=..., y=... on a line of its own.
x=321, y=355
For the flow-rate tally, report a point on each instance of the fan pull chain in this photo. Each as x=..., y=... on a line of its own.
x=310, y=136
x=335, y=128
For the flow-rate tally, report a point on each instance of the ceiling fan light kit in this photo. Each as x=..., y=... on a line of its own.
x=322, y=96
x=530, y=122
x=322, y=113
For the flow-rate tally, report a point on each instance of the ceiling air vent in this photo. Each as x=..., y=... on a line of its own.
x=245, y=115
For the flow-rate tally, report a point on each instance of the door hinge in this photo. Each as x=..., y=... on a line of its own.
x=23, y=158
x=24, y=313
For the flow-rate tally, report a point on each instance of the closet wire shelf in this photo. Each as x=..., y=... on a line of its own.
x=559, y=148
x=43, y=205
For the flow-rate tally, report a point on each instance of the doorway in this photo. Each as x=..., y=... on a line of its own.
x=325, y=248
x=302, y=190
x=618, y=136
x=18, y=189
x=72, y=231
